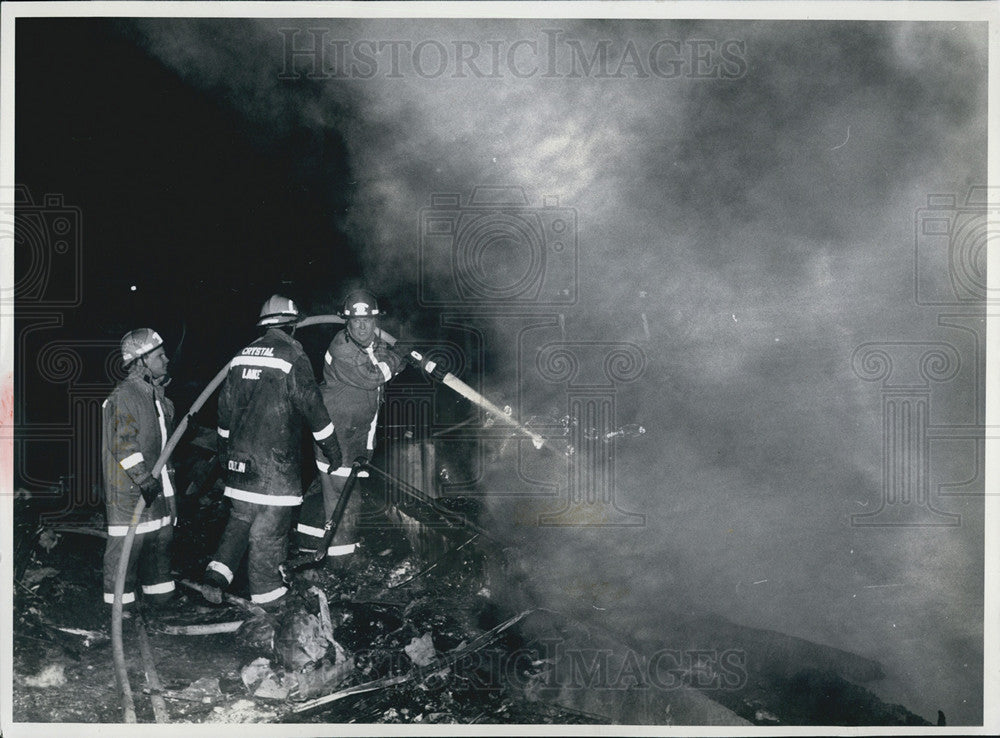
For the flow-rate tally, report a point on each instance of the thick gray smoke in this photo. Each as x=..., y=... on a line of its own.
x=747, y=220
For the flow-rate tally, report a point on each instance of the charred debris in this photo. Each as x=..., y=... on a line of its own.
x=435, y=621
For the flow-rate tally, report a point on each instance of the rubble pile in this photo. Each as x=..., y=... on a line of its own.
x=397, y=637
x=394, y=639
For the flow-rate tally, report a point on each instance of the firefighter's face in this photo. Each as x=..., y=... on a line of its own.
x=361, y=330
x=157, y=362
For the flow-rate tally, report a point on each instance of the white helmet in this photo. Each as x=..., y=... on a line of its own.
x=278, y=310
x=138, y=343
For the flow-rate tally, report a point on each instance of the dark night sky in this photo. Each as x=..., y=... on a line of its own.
x=178, y=198
x=761, y=227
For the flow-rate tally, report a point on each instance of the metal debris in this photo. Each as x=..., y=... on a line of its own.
x=421, y=650
x=200, y=629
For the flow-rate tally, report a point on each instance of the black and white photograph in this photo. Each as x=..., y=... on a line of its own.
x=487, y=368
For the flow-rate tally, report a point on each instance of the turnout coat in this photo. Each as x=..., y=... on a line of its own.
x=268, y=394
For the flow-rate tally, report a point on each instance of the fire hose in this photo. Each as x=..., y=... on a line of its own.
x=117, y=649
x=329, y=529
x=446, y=378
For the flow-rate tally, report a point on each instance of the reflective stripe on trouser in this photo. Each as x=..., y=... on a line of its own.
x=127, y=598
x=307, y=532
x=217, y=569
x=149, y=559
x=262, y=532
x=316, y=510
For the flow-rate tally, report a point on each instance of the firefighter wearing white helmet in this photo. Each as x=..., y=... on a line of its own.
x=137, y=421
x=139, y=343
x=270, y=392
x=357, y=365
x=278, y=310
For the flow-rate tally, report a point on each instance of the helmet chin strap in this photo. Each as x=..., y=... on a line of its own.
x=159, y=381
x=142, y=368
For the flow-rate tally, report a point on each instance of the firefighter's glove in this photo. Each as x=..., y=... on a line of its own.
x=413, y=358
x=402, y=356
x=150, y=490
x=360, y=461
x=331, y=449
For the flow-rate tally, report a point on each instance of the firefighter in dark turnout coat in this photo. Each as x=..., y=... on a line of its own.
x=356, y=367
x=137, y=421
x=269, y=393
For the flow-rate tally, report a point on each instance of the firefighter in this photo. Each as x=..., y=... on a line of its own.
x=357, y=365
x=269, y=393
x=137, y=421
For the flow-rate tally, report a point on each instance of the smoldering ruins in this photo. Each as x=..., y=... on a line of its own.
x=701, y=259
